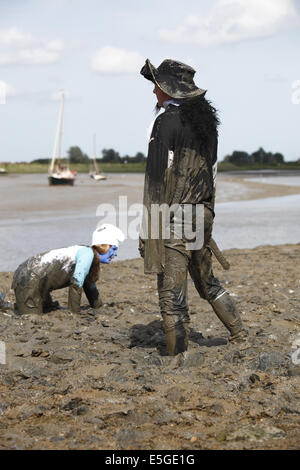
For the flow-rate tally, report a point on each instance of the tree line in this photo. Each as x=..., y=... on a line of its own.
x=76, y=155
x=239, y=157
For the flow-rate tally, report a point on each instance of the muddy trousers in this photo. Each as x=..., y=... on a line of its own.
x=172, y=291
x=30, y=299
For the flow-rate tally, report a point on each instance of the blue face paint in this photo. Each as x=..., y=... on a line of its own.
x=109, y=255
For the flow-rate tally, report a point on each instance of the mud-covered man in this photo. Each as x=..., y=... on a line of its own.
x=181, y=170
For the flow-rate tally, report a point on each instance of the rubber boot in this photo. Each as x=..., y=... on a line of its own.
x=177, y=336
x=169, y=326
x=183, y=334
x=74, y=298
x=187, y=335
x=171, y=342
x=226, y=311
x=97, y=303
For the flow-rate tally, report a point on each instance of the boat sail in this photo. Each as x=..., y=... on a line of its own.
x=62, y=174
x=96, y=175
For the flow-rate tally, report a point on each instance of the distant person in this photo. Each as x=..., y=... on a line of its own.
x=76, y=267
x=181, y=169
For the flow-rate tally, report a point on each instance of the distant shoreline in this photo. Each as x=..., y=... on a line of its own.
x=248, y=213
x=31, y=168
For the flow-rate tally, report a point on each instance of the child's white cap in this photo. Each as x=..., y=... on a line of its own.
x=107, y=234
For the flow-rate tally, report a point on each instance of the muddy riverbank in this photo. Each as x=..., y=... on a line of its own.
x=248, y=213
x=101, y=380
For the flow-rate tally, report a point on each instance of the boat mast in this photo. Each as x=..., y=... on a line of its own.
x=60, y=128
x=95, y=161
x=58, y=136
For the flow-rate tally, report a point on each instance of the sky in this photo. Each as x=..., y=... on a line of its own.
x=246, y=54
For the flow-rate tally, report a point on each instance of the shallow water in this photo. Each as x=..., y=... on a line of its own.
x=37, y=218
x=284, y=180
x=247, y=224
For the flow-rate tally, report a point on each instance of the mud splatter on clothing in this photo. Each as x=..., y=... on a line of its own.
x=37, y=277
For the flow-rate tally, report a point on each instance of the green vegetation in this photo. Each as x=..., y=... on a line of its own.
x=76, y=155
x=239, y=158
x=140, y=167
x=259, y=160
x=226, y=166
x=123, y=167
x=111, y=156
x=79, y=167
x=112, y=162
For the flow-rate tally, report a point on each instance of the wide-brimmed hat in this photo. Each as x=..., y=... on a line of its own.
x=173, y=78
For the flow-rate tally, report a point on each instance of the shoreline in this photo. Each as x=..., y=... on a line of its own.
x=254, y=190
x=247, y=213
x=229, y=188
x=21, y=168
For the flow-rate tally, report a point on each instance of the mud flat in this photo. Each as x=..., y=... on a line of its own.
x=101, y=380
x=248, y=213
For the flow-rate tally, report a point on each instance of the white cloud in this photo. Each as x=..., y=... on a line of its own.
x=233, y=21
x=14, y=37
x=36, y=56
x=114, y=61
x=19, y=48
x=56, y=45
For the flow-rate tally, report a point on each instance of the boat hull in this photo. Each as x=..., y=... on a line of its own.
x=53, y=181
x=98, y=176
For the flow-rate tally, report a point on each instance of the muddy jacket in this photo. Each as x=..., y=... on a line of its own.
x=56, y=269
x=176, y=173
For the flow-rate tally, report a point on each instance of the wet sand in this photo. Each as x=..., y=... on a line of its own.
x=101, y=380
x=23, y=194
x=46, y=217
x=237, y=188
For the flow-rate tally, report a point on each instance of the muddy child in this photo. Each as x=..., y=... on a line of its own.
x=76, y=267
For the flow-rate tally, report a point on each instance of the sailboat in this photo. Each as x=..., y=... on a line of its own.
x=96, y=175
x=62, y=173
